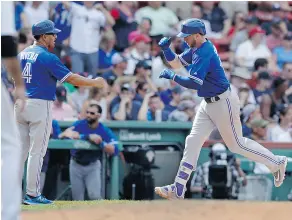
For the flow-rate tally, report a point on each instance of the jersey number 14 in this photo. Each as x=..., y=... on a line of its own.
x=26, y=73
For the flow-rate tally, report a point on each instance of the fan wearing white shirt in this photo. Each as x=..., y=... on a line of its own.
x=252, y=49
x=87, y=22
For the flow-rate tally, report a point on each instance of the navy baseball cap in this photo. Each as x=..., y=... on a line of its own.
x=44, y=27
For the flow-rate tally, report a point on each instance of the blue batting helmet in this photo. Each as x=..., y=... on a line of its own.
x=192, y=26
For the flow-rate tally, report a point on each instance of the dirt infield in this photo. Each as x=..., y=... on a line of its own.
x=169, y=210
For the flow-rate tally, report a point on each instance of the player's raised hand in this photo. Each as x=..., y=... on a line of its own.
x=164, y=43
x=167, y=74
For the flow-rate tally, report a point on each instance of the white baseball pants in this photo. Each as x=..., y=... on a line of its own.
x=35, y=124
x=225, y=115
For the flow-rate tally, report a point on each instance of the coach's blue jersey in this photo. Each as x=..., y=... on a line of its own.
x=40, y=71
x=205, y=68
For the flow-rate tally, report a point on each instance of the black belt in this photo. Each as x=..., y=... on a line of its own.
x=212, y=99
x=215, y=98
x=82, y=163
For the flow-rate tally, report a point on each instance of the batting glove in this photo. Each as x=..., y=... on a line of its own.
x=164, y=43
x=167, y=74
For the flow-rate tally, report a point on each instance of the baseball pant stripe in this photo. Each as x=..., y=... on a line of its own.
x=43, y=146
x=238, y=142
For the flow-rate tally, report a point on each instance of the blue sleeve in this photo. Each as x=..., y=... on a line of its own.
x=56, y=129
x=111, y=139
x=57, y=68
x=187, y=82
x=186, y=57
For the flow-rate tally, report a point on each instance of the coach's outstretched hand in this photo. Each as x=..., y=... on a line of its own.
x=101, y=82
x=167, y=74
x=164, y=43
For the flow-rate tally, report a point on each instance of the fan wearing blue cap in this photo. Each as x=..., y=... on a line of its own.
x=219, y=108
x=41, y=70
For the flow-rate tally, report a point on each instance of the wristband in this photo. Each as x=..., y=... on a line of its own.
x=102, y=144
x=116, y=151
x=169, y=54
x=174, y=77
x=84, y=136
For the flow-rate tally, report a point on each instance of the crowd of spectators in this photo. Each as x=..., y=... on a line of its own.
x=119, y=41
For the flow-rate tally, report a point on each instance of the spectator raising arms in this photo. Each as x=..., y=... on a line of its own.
x=87, y=19
x=163, y=19
x=125, y=23
x=36, y=11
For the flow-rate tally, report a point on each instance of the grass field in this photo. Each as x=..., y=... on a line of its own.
x=73, y=204
x=158, y=209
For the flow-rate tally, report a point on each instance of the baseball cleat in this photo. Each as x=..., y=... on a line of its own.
x=168, y=192
x=30, y=200
x=279, y=176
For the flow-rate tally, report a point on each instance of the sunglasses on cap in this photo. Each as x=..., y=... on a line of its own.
x=52, y=34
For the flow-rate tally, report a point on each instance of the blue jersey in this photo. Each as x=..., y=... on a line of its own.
x=106, y=134
x=62, y=20
x=40, y=71
x=205, y=68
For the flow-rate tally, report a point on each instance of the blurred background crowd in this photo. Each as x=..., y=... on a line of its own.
x=118, y=41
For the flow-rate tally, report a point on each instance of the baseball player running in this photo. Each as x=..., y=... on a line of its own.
x=40, y=71
x=220, y=108
x=10, y=146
